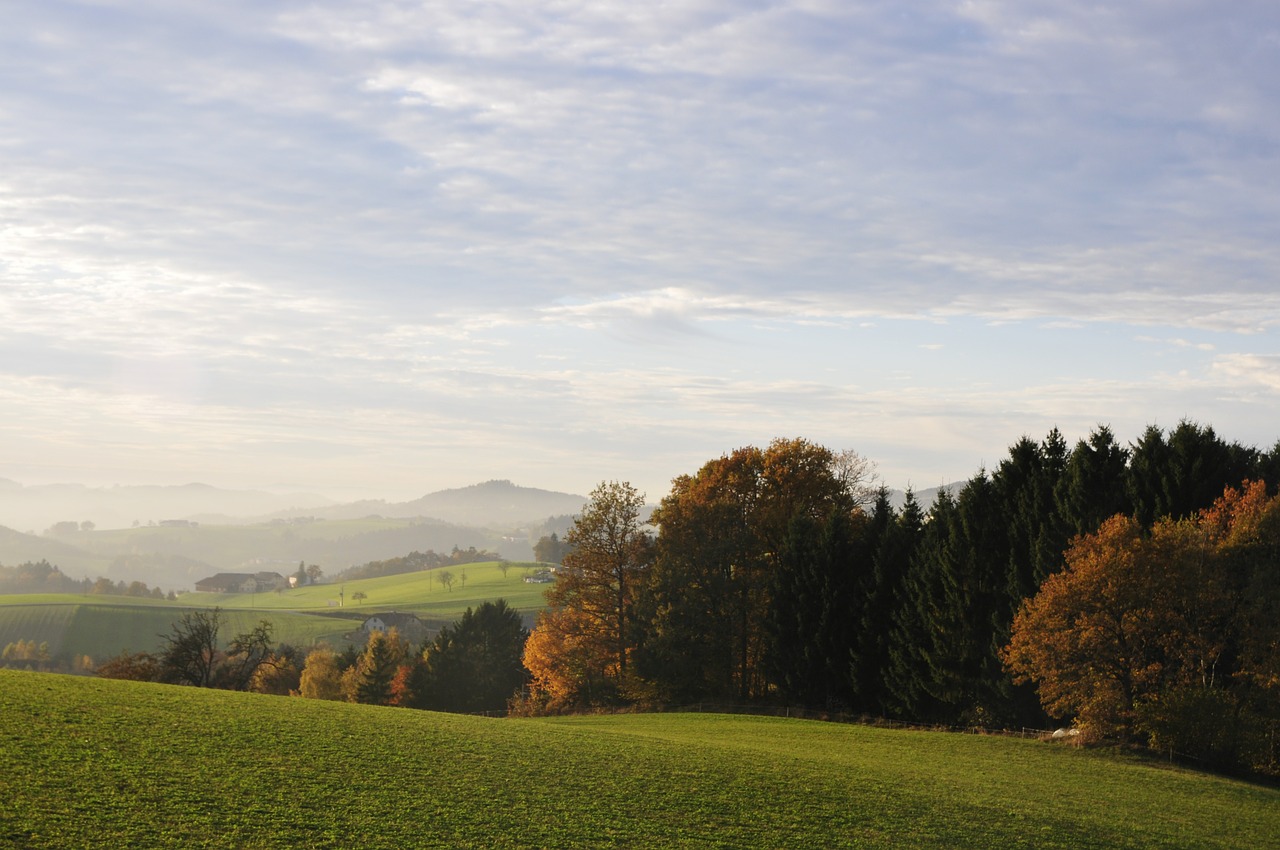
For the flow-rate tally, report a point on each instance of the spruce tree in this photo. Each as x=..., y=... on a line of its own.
x=907, y=677
x=377, y=667
x=1092, y=488
x=895, y=537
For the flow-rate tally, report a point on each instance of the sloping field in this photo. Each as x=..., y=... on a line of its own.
x=95, y=763
x=41, y=623
x=75, y=626
x=420, y=593
x=102, y=626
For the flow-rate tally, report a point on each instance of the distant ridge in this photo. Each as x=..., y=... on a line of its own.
x=490, y=504
x=36, y=508
x=924, y=498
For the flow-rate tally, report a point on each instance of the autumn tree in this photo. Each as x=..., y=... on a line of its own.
x=607, y=564
x=550, y=549
x=569, y=666
x=282, y=676
x=26, y=653
x=1154, y=633
x=722, y=532
x=133, y=666
x=321, y=675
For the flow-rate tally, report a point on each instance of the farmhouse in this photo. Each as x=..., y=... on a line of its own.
x=240, y=583
x=407, y=625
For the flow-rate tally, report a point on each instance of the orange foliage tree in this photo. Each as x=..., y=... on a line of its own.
x=568, y=664
x=579, y=649
x=722, y=532
x=1169, y=633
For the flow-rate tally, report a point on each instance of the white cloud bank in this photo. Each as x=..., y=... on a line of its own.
x=407, y=245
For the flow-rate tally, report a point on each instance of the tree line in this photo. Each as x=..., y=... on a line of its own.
x=417, y=561
x=473, y=665
x=43, y=577
x=782, y=575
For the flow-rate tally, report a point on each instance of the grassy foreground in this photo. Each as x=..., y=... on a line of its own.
x=95, y=763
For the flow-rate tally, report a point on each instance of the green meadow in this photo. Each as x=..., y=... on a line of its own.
x=420, y=593
x=98, y=763
x=102, y=626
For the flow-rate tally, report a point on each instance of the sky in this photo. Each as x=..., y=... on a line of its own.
x=382, y=248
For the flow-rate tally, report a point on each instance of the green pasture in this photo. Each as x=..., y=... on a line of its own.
x=420, y=593
x=103, y=626
x=101, y=629
x=97, y=763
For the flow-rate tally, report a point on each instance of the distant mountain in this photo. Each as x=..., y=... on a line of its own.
x=924, y=498
x=492, y=504
x=495, y=503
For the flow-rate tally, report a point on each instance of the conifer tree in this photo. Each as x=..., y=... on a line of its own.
x=895, y=546
x=817, y=599
x=377, y=668
x=1185, y=473
x=908, y=674
x=1092, y=488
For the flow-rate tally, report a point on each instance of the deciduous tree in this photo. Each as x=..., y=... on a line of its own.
x=248, y=653
x=321, y=675
x=598, y=582
x=190, y=653
x=722, y=532
x=1140, y=620
x=567, y=663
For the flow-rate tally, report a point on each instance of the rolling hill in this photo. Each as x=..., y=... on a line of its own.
x=98, y=763
x=103, y=626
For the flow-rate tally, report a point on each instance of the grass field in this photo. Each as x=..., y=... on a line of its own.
x=97, y=763
x=103, y=626
x=418, y=592
x=102, y=630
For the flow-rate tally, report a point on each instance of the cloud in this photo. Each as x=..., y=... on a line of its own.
x=1257, y=370
x=632, y=223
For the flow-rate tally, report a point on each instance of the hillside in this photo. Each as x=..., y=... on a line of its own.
x=418, y=593
x=176, y=557
x=102, y=626
x=186, y=533
x=17, y=547
x=97, y=763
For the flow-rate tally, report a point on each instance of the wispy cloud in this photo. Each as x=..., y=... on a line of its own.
x=660, y=228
